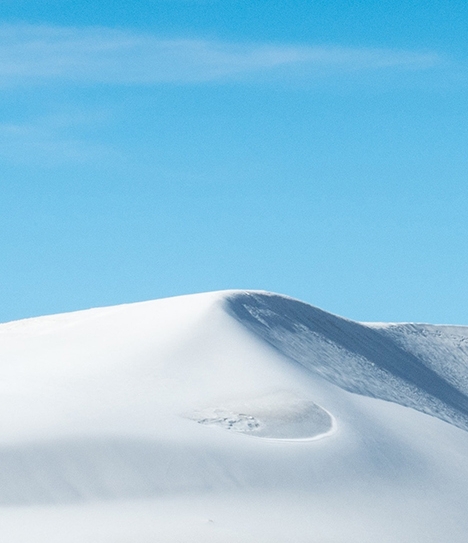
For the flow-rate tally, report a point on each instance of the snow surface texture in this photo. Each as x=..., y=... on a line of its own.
x=231, y=417
x=274, y=416
x=414, y=365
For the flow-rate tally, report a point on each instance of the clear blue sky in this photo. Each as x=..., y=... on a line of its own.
x=156, y=148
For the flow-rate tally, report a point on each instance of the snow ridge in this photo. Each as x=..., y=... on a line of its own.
x=231, y=417
x=365, y=359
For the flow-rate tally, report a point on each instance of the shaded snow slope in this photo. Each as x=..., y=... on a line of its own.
x=443, y=349
x=231, y=417
x=414, y=365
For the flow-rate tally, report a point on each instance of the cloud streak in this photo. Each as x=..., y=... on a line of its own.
x=51, y=141
x=36, y=54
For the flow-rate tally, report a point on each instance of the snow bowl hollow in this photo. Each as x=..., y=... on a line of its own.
x=274, y=416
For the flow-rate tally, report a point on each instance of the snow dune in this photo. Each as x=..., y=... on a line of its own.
x=231, y=416
x=370, y=360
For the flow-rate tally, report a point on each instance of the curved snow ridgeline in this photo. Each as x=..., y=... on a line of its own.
x=406, y=364
x=236, y=416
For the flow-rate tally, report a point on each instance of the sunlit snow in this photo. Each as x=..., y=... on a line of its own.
x=229, y=417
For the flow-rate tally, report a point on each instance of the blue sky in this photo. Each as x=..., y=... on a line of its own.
x=316, y=149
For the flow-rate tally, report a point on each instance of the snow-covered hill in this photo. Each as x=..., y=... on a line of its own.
x=231, y=417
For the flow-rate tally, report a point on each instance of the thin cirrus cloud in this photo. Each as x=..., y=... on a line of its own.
x=40, y=142
x=34, y=54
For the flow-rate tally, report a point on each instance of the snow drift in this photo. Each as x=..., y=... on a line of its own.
x=377, y=361
x=231, y=416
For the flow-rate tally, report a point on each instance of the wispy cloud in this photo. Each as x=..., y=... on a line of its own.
x=34, y=54
x=50, y=141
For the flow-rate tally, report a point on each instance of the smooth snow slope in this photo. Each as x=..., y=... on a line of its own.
x=231, y=417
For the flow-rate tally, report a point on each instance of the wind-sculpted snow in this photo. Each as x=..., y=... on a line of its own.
x=231, y=417
x=363, y=359
x=84, y=469
x=444, y=349
x=273, y=416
